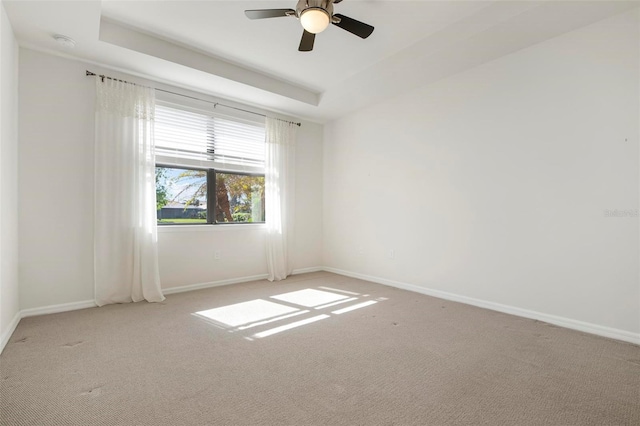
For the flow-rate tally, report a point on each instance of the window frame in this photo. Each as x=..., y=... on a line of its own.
x=196, y=106
x=211, y=201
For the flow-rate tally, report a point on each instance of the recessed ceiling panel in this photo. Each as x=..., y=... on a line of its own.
x=220, y=28
x=415, y=43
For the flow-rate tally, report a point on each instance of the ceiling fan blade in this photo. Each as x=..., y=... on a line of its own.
x=268, y=13
x=358, y=28
x=306, y=43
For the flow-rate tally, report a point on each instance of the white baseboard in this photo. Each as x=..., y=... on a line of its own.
x=4, y=339
x=54, y=309
x=65, y=307
x=191, y=287
x=199, y=286
x=307, y=270
x=599, y=330
x=51, y=309
x=586, y=327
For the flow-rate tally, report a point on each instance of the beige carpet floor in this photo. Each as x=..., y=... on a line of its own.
x=265, y=353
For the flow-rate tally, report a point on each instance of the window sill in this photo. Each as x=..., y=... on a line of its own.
x=162, y=229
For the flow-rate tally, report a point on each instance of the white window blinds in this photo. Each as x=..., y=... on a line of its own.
x=186, y=137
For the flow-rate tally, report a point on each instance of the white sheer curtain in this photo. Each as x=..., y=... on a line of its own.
x=279, y=196
x=125, y=236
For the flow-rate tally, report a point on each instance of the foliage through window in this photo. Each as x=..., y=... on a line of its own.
x=182, y=196
x=209, y=168
x=239, y=198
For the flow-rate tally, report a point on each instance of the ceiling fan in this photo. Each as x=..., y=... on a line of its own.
x=315, y=16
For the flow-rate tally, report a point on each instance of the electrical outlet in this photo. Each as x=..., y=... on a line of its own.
x=391, y=254
x=216, y=254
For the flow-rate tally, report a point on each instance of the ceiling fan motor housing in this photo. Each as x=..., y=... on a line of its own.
x=326, y=5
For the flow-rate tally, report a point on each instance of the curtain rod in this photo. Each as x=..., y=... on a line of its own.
x=215, y=104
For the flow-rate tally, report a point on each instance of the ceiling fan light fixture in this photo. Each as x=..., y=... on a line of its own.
x=315, y=19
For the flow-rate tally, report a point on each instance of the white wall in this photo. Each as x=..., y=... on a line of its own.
x=9, y=305
x=492, y=184
x=56, y=197
x=56, y=181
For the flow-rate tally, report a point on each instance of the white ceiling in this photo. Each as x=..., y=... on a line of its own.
x=211, y=47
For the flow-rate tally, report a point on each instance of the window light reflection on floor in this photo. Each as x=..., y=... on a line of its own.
x=286, y=306
x=339, y=302
x=256, y=324
x=290, y=326
x=340, y=291
x=246, y=312
x=309, y=297
x=354, y=307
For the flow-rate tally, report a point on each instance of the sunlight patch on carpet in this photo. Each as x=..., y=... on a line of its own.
x=309, y=297
x=354, y=307
x=246, y=312
x=259, y=323
x=282, y=328
x=339, y=302
x=239, y=317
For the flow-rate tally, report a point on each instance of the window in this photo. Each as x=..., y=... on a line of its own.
x=239, y=198
x=181, y=195
x=209, y=168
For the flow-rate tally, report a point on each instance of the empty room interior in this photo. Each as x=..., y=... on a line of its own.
x=319, y=212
